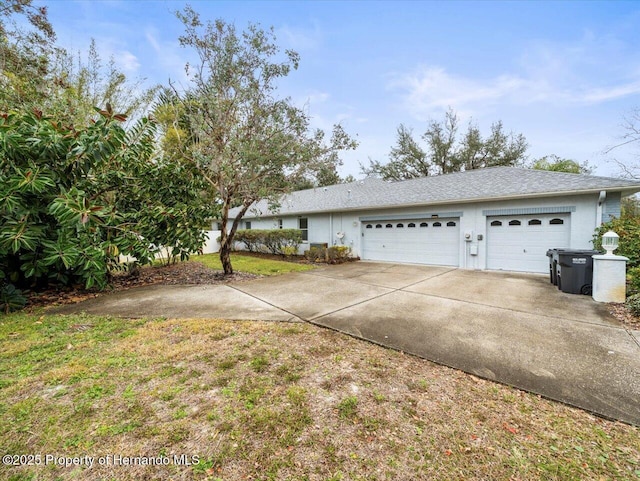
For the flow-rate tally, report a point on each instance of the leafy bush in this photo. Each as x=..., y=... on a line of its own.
x=633, y=303
x=633, y=281
x=283, y=242
x=331, y=255
x=628, y=228
x=338, y=254
x=73, y=200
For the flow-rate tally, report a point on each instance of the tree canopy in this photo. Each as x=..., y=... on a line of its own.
x=446, y=151
x=247, y=143
x=558, y=164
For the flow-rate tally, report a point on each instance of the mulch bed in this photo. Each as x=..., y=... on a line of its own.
x=176, y=274
x=621, y=313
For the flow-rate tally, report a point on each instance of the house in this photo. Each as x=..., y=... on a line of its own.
x=501, y=218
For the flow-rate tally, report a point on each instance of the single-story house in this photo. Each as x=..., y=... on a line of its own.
x=501, y=218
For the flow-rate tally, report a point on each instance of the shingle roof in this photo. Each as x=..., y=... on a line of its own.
x=474, y=185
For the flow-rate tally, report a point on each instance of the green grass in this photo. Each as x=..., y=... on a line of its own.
x=259, y=400
x=252, y=265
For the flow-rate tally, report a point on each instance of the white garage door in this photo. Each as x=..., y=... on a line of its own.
x=520, y=242
x=419, y=241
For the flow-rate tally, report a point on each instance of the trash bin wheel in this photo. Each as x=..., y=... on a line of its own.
x=586, y=290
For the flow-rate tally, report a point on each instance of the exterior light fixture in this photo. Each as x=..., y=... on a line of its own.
x=610, y=242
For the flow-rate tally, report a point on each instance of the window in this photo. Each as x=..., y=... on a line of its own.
x=411, y=224
x=424, y=224
x=369, y=226
x=556, y=221
x=218, y=225
x=515, y=222
x=400, y=226
x=378, y=226
x=303, y=225
x=247, y=224
x=437, y=224
x=535, y=222
x=389, y=226
x=496, y=223
x=451, y=224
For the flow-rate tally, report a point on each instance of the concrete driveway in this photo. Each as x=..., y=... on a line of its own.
x=513, y=328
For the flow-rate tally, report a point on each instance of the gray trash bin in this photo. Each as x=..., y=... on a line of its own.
x=575, y=270
x=552, y=254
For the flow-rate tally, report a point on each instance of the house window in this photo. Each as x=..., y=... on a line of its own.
x=219, y=226
x=303, y=225
x=535, y=222
x=515, y=222
x=247, y=224
x=369, y=226
x=556, y=221
x=451, y=224
x=400, y=226
x=411, y=224
x=378, y=226
x=437, y=224
x=496, y=223
x=389, y=226
x=424, y=224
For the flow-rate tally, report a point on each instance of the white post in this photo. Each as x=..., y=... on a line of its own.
x=609, y=272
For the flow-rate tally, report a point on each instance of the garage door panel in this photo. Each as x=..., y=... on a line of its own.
x=520, y=243
x=423, y=243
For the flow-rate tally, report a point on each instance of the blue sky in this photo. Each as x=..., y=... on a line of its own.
x=564, y=74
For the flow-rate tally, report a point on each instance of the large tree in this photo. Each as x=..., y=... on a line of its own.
x=445, y=151
x=247, y=143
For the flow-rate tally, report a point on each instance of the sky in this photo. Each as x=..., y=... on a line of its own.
x=563, y=74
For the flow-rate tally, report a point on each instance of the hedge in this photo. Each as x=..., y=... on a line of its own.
x=284, y=242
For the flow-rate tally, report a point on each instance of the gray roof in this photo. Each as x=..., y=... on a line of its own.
x=471, y=186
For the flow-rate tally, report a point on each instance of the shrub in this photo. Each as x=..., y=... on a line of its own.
x=283, y=242
x=316, y=254
x=338, y=254
x=628, y=228
x=633, y=281
x=633, y=303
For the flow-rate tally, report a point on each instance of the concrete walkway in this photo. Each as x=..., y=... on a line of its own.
x=513, y=328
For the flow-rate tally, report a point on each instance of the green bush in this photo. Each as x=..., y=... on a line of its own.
x=628, y=228
x=633, y=303
x=283, y=242
x=338, y=254
x=633, y=281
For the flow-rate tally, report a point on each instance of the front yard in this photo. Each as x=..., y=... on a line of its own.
x=256, y=400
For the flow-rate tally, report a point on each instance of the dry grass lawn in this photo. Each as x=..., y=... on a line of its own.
x=275, y=401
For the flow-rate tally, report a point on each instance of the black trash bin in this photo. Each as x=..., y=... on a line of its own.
x=552, y=254
x=575, y=270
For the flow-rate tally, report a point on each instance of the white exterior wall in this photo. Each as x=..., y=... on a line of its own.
x=323, y=227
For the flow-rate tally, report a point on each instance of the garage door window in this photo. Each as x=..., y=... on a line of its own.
x=378, y=226
x=437, y=224
x=400, y=226
x=389, y=226
x=369, y=226
x=451, y=224
x=424, y=224
x=556, y=221
x=515, y=222
x=496, y=223
x=535, y=222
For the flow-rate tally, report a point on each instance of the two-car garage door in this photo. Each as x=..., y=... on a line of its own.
x=520, y=242
x=420, y=241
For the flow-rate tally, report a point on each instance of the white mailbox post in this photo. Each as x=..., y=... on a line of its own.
x=609, y=272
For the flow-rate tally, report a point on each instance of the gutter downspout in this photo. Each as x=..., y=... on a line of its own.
x=601, y=199
x=330, y=243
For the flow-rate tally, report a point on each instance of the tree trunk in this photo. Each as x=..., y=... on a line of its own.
x=225, y=258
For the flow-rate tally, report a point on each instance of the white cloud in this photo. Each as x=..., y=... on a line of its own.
x=126, y=61
x=590, y=71
x=299, y=39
